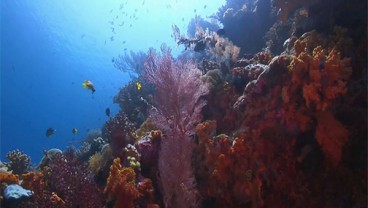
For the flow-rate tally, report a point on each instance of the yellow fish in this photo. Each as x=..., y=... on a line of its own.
x=88, y=85
x=138, y=85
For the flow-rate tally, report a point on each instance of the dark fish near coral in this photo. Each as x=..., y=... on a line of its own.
x=50, y=132
x=221, y=32
x=75, y=131
x=107, y=112
x=200, y=46
x=88, y=85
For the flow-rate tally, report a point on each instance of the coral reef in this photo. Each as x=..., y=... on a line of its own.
x=285, y=118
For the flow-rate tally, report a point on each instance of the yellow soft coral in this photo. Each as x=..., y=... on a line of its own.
x=94, y=162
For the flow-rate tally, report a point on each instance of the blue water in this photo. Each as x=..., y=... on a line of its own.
x=48, y=48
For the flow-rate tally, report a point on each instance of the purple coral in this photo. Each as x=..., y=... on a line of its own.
x=178, y=103
x=73, y=182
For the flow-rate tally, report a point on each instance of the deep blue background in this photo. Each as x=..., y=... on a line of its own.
x=48, y=48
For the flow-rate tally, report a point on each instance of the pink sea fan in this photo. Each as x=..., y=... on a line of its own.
x=177, y=110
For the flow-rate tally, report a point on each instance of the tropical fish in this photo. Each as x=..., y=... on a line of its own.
x=50, y=131
x=75, y=131
x=138, y=85
x=107, y=112
x=88, y=85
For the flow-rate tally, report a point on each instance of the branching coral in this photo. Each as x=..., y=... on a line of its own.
x=178, y=105
x=18, y=162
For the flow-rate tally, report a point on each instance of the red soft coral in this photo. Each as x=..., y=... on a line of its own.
x=331, y=135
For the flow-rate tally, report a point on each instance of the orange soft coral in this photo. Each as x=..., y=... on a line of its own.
x=29, y=179
x=331, y=135
x=9, y=178
x=120, y=185
x=320, y=72
x=227, y=169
